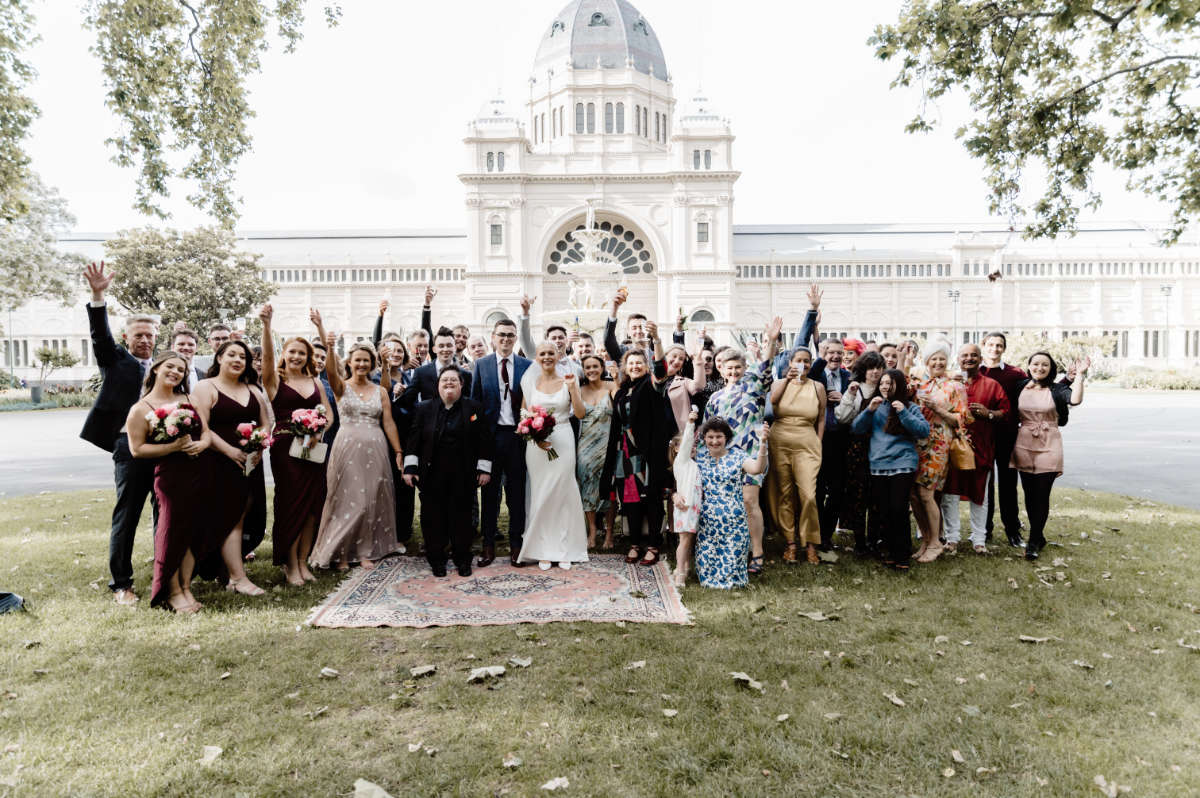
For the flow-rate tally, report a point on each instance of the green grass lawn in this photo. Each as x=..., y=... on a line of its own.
x=97, y=699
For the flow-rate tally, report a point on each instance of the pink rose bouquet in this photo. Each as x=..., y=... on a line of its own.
x=307, y=423
x=171, y=422
x=535, y=425
x=253, y=440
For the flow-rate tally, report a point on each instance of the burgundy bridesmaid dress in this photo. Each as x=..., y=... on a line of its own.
x=181, y=485
x=299, y=484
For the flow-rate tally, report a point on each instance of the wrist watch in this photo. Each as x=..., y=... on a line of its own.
x=991, y=415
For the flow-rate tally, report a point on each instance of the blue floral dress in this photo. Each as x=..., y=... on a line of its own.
x=723, y=539
x=743, y=406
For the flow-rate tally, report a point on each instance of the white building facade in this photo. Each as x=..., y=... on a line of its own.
x=601, y=125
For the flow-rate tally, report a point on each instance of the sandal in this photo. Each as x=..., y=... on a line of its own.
x=650, y=557
x=634, y=555
x=756, y=565
x=789, y=554
x=811, y=555
x=981, y=549
x=950, y=548
x=244, y=586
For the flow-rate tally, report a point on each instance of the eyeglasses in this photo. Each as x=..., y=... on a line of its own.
x=506, y=336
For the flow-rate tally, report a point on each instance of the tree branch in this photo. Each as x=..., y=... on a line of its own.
x=1114, y=22
x=191, y=38
x=1115, y=73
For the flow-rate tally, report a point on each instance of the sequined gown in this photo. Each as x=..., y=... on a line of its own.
x=359, y=519
x=593, y=445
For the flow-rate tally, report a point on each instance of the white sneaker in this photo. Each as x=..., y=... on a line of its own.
x=566, y=566
x=544, y=565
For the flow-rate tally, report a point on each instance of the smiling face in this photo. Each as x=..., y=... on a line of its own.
x=732, y=368
x=1039, y=367
x=171, y=372
x=443, y=348
x=232, y=362
x=891, y=356
x=450, y=386
x=886, y=387
x=969, y=358
x=706, y=362
x=872, y=375
x=715, y=440
x=635, y=366
x=848, y=358
x=419, y=346
x=361, y=363
x=674, y=361
x=216, y=338
x=584, y=347
x=547, y=356
x=559, y=339
x=185, y=345
x=937, y=365
x=593, y=369
x=504, y=338
x=993, y=349
x=802, y=360
x=295, y=356
x=477, y=347
x=637, y=329
x=319, y=357
x=461, y=336
x=140, y=337
x=834, y=352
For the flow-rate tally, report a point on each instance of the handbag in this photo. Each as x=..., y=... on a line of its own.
x=962, y=456
x=314, y=454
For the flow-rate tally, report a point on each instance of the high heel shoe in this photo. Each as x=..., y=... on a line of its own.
x=244, y=586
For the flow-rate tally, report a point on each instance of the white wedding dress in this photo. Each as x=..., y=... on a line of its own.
x=555, y=530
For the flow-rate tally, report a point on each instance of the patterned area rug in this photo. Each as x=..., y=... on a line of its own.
x=401, y=591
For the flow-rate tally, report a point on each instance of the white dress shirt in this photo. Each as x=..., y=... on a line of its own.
x=506, y=409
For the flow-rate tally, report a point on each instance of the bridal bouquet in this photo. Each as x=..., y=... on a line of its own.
x=307, y=423
x=253, y=440
x=535, y=425
x=171, y=422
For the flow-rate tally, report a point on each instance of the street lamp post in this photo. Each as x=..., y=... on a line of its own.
x=954, y=294
x=1166, y=292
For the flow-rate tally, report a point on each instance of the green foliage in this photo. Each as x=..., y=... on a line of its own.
x=175, y=74
x=30, y=263
x=51, y=360
x=1162, y=380
x=17, y=110
x=185, y=276
x=1065, y=85
x=1021, y=347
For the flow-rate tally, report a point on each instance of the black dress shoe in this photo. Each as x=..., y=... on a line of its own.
x=487, y=556
x=515, y=561
x=438, y=570
x=464, y=570
x=1015, y=540
x=1031, y=553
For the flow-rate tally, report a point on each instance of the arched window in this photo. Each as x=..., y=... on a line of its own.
x=553, y=122
x=701, y=316
x=708, y=159
x=562, y=113
x=597, y=19
x=609, y=118
x=646, y=122
x=657, y=127
x=491, y=161
x=578, y=117
x=696, y=159
x=620, y=117
x=499, y=162
x=637, y=119
x=591, y=117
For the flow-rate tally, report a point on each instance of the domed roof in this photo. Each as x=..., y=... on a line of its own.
x=592, y=34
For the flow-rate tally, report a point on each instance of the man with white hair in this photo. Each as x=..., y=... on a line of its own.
x=122, y=371
x=988, y=408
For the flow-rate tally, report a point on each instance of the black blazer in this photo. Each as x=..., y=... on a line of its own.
x=817, y=372
x=120, y=387
x=1059, y=391
x=477, y=445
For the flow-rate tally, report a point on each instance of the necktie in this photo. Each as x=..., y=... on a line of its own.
x=504, y=376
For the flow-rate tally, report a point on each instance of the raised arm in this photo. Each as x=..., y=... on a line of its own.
x=1076, y=373
x=377, y=332
x=103, y=344
x=576, y=398
x=524, y=334
x=427, y=312
x=270, y=375
x=611, y=344
x=333, y=372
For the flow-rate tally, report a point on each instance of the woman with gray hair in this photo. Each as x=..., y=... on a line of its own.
x=943, y=401
x=742, y=403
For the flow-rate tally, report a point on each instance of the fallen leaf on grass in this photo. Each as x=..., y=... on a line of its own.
x=1013, y=583
x=225, y=675
x=912, y=682
x=511, y=761
x=941, y=639
x=369, y=789
x=827, y=556
x=485, y=673
x=422, y=670
x=557, y=783
x=1182, y=644
x=895, y=699
x=1032, y=639
x=316, y=713
x=633, y=666
x=31, y=643
x=1111, y=789
x=746, y=680
x=782, y=718
x=972, y=711
x=211, y=752
x=957, y=756
x=948, y=773
x=670, y=713
x=832, y=716
x=1080, y=663
x=520, y=662
x=817, y=615
x=959, y=680
x=329, y=673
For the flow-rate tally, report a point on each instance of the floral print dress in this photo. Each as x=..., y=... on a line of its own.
x=743, y=405
x=934, y=451
x=723, y=539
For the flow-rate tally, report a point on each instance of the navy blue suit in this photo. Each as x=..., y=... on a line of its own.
x=831, y=479
x=508, y=465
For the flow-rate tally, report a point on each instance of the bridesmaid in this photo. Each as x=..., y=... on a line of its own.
x=943, y=402
x=292, y=384
x=180, y=485
x=723, y=535
x=799, y=404
x=593, y=445
x=228, y=398
x=358, y=523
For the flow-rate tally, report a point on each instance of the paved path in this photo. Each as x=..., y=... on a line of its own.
x=1144, y=444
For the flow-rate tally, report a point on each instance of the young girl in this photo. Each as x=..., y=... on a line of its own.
x=687, y=496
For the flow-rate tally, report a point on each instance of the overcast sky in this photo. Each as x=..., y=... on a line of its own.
x=362, y=126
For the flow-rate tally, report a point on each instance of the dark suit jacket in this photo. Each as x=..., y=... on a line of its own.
x=423, y=386
x=486, y=388
x=817, y=372
x=120, y=387
x=475, y=446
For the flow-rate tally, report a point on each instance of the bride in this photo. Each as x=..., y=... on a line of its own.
x=554, y=526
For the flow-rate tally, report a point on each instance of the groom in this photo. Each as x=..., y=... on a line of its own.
x=496, y=384
x=122, y=372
